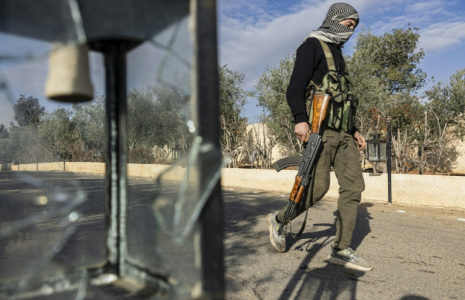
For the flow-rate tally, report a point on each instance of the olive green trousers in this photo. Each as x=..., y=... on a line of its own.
x=340, y=151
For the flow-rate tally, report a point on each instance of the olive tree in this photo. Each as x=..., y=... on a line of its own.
x=232, y=124
x=444, y=122
x=385, y=77
x=271, y=94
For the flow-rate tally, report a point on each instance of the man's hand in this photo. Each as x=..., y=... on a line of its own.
x=301, y=130
x=360, y=140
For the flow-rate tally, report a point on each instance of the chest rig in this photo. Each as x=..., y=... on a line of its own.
x=343, y=105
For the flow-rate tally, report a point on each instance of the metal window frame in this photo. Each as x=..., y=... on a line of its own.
x=206, y=117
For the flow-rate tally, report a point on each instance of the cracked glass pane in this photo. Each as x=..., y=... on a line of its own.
x=52, y=189
x=48, y=226
x=162, y=216
x=165, y=191
x=53, y=218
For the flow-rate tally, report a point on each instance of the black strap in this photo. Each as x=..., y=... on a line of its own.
x=339, y=84
x=310, y=190
x=301, y=228
x=310, y=91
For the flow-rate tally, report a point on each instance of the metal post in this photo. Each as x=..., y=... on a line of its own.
x=116, y=164
x=206, y=118
x=389, y=159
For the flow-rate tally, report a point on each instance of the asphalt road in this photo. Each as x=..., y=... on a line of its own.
x=417, y=252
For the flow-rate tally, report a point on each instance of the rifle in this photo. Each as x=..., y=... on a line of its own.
x=309, y=157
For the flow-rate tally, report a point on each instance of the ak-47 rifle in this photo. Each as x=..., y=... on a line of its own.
x=308, y=160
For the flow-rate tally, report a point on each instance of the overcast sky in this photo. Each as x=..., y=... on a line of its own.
x=257, y=33
x=254, y=34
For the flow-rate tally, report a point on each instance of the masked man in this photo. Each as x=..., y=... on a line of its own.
x=319, y=64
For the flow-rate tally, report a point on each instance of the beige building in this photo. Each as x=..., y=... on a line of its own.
x=260, y=148
x=459, y=165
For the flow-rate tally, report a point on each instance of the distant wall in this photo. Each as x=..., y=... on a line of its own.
x=459, y=165
x=142, y=170
x=446, y=191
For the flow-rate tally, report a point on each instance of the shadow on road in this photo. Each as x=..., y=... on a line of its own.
x=330, y=281
x=307, y=282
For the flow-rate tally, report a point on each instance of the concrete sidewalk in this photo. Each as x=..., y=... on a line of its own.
x=417, y=252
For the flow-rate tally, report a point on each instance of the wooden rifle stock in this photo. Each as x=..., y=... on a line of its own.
x=320, y=108
x=297, y=190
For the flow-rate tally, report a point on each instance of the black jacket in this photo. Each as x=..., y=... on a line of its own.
x=310, y=65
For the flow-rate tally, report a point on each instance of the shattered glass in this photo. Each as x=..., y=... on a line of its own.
x=170, y=210
x=53, y=215
x=165, y=192
x=47, y=227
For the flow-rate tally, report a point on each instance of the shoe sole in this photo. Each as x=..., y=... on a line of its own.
x=270, y=230
x=348, y=264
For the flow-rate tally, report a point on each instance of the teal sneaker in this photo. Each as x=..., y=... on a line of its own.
x=278, y=241
x=350, y=259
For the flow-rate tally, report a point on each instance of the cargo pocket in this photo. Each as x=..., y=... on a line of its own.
x=335, y=109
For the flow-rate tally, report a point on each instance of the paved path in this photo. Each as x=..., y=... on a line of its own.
x=417, y=251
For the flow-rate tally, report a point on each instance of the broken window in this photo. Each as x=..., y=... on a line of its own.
x=113, y=186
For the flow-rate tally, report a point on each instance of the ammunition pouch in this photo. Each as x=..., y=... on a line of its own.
x=343, y=105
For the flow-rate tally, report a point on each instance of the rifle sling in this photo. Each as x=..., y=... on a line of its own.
x=310, y=190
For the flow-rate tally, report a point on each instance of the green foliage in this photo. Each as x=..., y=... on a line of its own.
x=27, y=111
x=384, y=76
x=394, y=59
x=21, y=145
x=369, y=89
x=447, y=102
x=172, y=109
x=156, y=124
x=57, y=132
x=144, y=124
x=232, y=101
x=3, y=132
x=89, y=123
x=157, y=118
x=271, y=93
x=18, y=143
x=406, y=112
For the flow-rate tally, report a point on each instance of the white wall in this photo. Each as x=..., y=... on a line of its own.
x=433, y=190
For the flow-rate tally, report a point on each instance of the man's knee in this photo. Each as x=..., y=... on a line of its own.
x=351, y=195
x=353, y=188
